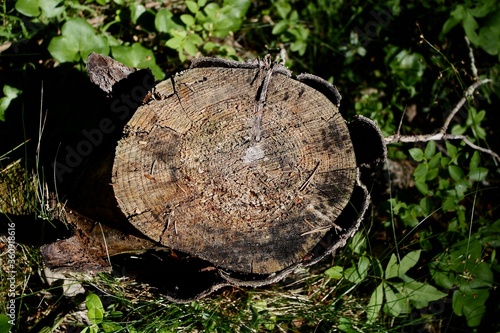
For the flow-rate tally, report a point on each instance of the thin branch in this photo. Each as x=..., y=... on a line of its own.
x=468, y=92
x=441, y=133
x=473, y=67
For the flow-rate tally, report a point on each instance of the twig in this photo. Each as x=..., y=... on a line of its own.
x=441, y=133
x=473, y=67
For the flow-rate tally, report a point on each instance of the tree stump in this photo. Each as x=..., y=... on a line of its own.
x=244, y=167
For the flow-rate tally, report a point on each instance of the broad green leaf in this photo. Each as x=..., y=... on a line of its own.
x=175, y=42
x=33, y=8
x=430, y=150
x=392, y=268
x=442, y=274
x=139, y=57
x=456, y=172
x=435, y=161
x=419, y=293
x=470, y=303
x=475, y=160
x=359, y=273
x=4, y=323
x=10, y=94
x=478, y=174
x=136, y=10
x=95, y=308
x=451, y=150
x=417, y=154
x=283, y=8
x=482, y=275
x=422, y=187
x=192, y=6
x=420, y=171
x=188, y=20
x=395, y=304
x=456, y=17
x=470, y=25
x=426, y=205
x=279, y=27
x=335, y=272
x=358, y=243
x=164, y=21
x=77, y=41
x=375, y=303
x=190, y=47
x=408, y=261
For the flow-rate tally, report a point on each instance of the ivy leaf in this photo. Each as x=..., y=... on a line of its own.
x=164, y=21
x=78, y=40
x=33, y=8
x=139, y=57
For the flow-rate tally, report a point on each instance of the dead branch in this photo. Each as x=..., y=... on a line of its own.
x=441, y=133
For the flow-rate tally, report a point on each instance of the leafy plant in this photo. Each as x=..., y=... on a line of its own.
x=202, y=22
x=485, y=35
x=289, y=28
x=463, y=268
x=78, y=39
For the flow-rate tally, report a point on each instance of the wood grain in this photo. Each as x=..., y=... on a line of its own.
x=191, y=172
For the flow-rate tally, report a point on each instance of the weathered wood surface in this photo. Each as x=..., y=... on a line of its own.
x=245, y=167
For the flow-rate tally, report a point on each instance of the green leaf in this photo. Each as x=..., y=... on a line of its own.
x=357, y=243
x=408, y=261
x=478, y=174
x=188, y=20
x=139, y=57
x=335, y=272
x=422, y=187
x=136, y=10
x=77, y=41
x=392, y=268
x=470, y=304
x=10, y=94
x=359, y=273
x=451, y=150
x=421, y=294
x=279, y=27
x=456, y=172
x=417, y=154
x=164, y=21
x=430, y=150
x=395, y=303
x=456, y=17
x=33, y=8
x=4, y=323
x=175, y=42
x=283, y=8
x=375, y=303
x=95, y=308
x=192, y=6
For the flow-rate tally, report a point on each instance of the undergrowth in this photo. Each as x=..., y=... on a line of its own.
x=425, y=258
